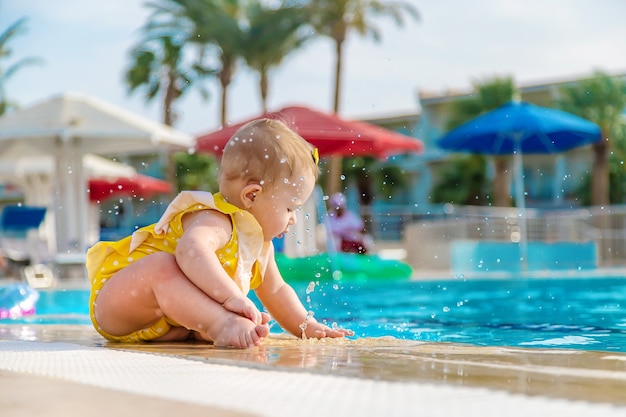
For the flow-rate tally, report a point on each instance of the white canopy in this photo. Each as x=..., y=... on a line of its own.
x=69, y=126
x=95, y=167
x=89, y=124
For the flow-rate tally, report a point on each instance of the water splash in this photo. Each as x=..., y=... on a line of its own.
x=309, y=290
x=303, y=325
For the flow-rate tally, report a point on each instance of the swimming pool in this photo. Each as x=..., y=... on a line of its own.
x=577, y=313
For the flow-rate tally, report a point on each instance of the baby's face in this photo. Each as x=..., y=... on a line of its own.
x=275, y=209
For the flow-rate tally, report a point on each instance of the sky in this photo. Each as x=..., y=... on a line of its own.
x=85, y=44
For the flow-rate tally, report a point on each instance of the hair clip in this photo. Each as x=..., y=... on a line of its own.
x=316, y=156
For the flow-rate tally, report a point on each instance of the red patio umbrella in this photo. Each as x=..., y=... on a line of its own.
x=139, y=185
x=332, y=135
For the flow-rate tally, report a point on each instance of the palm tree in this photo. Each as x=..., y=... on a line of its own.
x=157, y=66
x=213, y=26
x=10, y=33
x=334, y=19
x=462, y=182
x=617, y=173
x=272, y=34
x=600, y=99
x=217, y=30
x=196, y=171
x=371, y=176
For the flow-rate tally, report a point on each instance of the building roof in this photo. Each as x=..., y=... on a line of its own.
x=433, y=97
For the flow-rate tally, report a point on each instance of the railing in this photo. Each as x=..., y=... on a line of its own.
x=427, y=236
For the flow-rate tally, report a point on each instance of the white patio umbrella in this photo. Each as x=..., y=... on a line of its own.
x=69, y=126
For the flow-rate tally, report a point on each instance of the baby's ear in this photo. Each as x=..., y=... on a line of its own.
x=249, y=194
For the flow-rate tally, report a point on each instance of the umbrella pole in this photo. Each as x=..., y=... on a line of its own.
x=521, y=205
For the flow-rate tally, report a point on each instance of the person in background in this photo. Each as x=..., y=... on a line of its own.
x=347, y=227
x=188, y=275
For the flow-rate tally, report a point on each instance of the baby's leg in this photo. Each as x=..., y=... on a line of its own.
x=154, y=286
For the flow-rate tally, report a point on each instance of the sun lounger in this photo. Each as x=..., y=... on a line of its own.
x=20, y=246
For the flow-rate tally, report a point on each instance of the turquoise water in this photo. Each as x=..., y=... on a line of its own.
x=587, y=314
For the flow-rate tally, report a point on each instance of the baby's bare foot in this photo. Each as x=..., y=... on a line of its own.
x=239, y=332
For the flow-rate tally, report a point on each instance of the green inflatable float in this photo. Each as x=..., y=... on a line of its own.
x=345, y=267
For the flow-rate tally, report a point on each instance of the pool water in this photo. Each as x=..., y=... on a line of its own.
x=585, y=314
x=578, y=313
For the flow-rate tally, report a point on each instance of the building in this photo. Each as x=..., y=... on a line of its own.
x=550, y=180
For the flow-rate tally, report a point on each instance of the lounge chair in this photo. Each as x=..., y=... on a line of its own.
x=20, y=245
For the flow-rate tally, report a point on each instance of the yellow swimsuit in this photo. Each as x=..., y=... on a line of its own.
x=244, y=257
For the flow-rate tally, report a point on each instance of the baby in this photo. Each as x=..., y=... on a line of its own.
x=187, y=276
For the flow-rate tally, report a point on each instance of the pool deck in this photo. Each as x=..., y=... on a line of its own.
x=60, y=370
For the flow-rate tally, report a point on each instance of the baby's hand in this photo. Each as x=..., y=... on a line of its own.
x=243, y=306
x=318, y=331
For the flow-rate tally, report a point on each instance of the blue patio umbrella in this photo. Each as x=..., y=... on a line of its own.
x=518, y=128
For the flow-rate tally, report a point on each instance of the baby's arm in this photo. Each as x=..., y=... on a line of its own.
x=285, y=307
x=205, y=232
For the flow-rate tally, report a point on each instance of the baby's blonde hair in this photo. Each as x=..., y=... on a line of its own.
x=266, y=151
